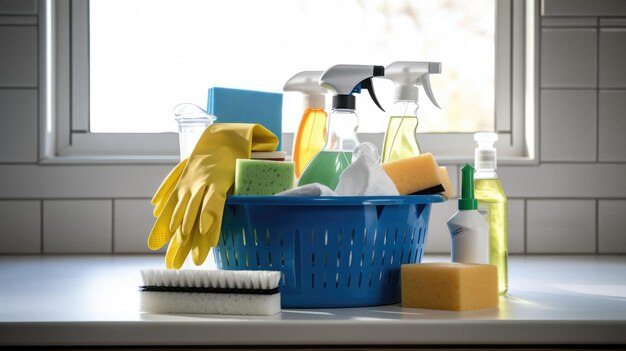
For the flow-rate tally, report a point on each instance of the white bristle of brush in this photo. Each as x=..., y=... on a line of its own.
x=207, y=302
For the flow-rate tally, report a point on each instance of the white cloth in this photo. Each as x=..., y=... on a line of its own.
x=365, y=176
x=313, y=189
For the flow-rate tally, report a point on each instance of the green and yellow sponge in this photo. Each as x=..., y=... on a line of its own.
x=263, y=178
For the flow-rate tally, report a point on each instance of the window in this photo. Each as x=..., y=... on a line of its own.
x=131, y=61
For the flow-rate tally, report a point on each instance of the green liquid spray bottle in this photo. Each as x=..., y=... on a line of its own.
x=341, y=140
x=492, y=203
x=401, y=138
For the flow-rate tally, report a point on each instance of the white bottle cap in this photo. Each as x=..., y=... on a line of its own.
x=485, y=156
x=307, y=83
x=407, y=93
x=313, y=101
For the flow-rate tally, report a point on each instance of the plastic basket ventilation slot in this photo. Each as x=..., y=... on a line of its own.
x=330, y=256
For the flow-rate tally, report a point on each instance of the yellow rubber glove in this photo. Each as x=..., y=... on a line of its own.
x=180, y=246
x=198, y=192
x=167, y=187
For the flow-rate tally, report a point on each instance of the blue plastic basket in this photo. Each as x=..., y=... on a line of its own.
x=333, y=251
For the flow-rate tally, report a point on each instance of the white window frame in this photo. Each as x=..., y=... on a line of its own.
x=66, y=117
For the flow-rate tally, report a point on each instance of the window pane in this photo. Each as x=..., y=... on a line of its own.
x=146, y=56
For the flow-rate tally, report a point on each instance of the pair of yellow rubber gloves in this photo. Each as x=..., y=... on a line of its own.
x=189, y=203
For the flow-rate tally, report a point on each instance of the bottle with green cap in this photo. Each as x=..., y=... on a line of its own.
x=468, y=229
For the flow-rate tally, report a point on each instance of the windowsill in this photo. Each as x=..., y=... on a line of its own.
x=111, y=160
x=173, y=159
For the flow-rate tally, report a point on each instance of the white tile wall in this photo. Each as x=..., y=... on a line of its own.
x=18, y=135
x=19, y=20
x=612, y=226
x=77, y=226
x=565, y=180
x=569, y=22
x=612, y=125
x=561, y=226
x=583, y=8
x=18, y=57
x=568, y=57
x=438, y=239
x=21, y=226
x=453, y=174
x=81, y=181
x=18, y=7
x=133, y=221
x=612, y=58
x=613, y=22
x=568, y=125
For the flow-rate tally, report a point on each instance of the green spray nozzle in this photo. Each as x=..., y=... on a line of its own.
x=467, y=200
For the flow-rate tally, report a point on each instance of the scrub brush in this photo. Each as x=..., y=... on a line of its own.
x=210, y=292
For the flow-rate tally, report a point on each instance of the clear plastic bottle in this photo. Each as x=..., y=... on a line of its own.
x=336, y=155
x=401, y=136
x=341, y=140
x=311, y=135
x=192, y=121
x=492, y=203
x=400, y=141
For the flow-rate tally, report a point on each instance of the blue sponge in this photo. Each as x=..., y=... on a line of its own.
x=247, y=106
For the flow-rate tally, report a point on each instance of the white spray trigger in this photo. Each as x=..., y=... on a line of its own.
x=307, y=83
x=409, y=75
x=424, y=81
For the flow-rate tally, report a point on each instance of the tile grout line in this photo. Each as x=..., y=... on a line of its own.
x=576, y=163
x=88, y=70
x=589, y=88
x=511, y=69
x=71, y=74
x=538, y=85
x=597, y=227
x=25, y=87
x=18, y=24
x=597, y=119
x=525, y=226
x=18, y=14
x=41, y=246
x=39, y=104
x=112, y=226
x=458, y=181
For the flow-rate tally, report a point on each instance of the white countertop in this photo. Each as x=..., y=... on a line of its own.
x=93, y=300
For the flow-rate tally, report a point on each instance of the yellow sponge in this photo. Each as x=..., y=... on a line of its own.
x=449, y=286
x=419, y=174
x=445, y=181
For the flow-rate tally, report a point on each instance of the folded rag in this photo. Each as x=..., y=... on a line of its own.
x=313, y=189
x=365, y=176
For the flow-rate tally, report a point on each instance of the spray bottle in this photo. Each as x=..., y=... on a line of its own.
x=336, y=155
x=468, y=229
x=311, y=135
x=400, y=138
x=492, y=204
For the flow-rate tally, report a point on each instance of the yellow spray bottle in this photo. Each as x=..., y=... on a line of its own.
x=492, y=203
x=311, y=135
x=401, y=138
